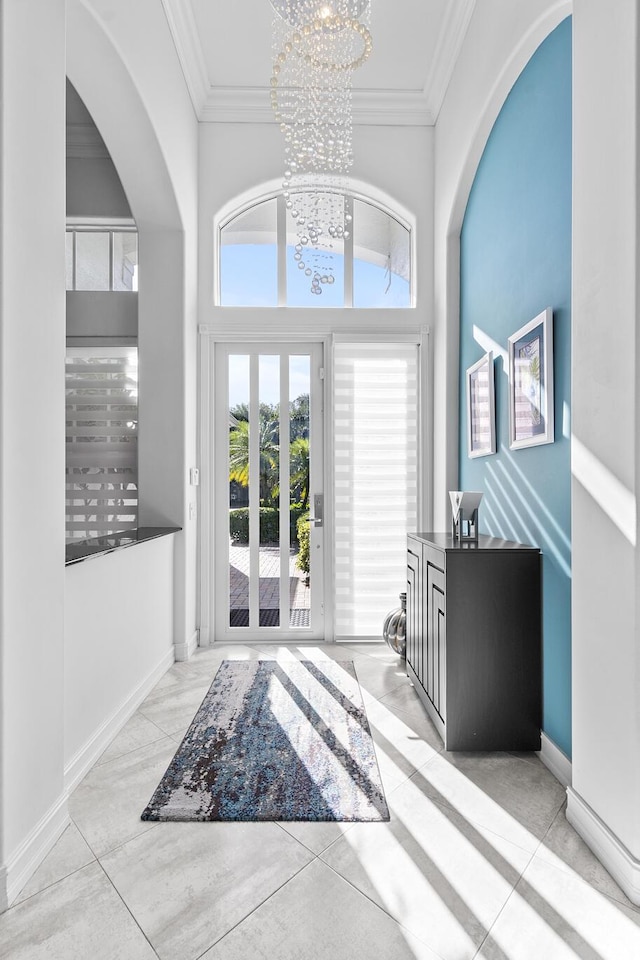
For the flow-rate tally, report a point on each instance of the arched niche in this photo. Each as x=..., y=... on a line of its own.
x=139, y=125
x=462, y=131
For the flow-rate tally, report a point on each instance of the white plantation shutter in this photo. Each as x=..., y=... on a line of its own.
x=375, y=481
x=101, y=440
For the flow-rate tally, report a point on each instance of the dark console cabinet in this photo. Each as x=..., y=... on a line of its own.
x=474, y=639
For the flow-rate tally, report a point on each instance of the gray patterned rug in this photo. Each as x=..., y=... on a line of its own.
x=285, y=740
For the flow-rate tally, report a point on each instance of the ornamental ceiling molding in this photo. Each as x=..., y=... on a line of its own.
x=184, y=30
x=252, y=104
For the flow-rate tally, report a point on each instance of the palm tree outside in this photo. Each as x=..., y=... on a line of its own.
x=269, y=443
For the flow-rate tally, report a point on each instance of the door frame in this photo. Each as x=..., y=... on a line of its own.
x=317, y=326
x=210, y=341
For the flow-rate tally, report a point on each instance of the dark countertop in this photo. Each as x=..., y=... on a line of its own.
x=99, y=546
x=446, y=541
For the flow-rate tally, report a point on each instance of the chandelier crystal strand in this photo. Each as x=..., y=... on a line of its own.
x=317, y=46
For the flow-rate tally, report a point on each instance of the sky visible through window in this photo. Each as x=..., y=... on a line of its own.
x=269, y=377
x=249, y=279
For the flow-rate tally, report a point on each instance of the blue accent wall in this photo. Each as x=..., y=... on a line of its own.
x=515, y=261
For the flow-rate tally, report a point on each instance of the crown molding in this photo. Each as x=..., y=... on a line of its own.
x=84, y=142
x=454, y=30
x=237, y=105
x=392, y=108
x=184, y=31
x=384, y=107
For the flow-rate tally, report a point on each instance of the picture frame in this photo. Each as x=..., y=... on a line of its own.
x=481, y=408
x=531, y=416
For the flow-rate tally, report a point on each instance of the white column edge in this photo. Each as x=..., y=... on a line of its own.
x=614, y=856
x=184, y=651
x=34, y=848
x=555, y=760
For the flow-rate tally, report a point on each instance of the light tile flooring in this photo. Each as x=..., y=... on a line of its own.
x=477, y=861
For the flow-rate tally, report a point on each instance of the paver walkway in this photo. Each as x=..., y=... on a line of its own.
x=269, y=589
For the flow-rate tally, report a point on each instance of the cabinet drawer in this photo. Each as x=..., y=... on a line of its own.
x=414, y=608
x=435, y=668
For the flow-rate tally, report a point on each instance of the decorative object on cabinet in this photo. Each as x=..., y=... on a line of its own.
x=394, y=629
x=481, y=408
x=474, y=657
x=464, y=514
x=531, y=383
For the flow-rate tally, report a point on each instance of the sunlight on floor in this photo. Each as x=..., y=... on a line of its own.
x=333, y=776
x=460, y=854
x=477, y=862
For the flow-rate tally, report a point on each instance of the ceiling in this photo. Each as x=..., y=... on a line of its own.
x=225, y=52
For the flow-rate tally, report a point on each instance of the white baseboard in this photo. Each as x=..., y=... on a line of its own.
x=21, y=865
x=556, y=761
x=352, y=641
x=183, y=651
x=84, y=759
x=621, y=864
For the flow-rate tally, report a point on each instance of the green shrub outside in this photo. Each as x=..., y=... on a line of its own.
x=303, y=528
x=269, y=524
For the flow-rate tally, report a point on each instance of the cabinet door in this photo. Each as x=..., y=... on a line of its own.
x=414, y=618
x=435, y=669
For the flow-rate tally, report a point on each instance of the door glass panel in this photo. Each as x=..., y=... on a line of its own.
x=69, y=259
x=238, y=461
x=375, y=479
x=92, y=261
x=268, y=567
x=125, y=261
x=269, y=564
x=299, y=490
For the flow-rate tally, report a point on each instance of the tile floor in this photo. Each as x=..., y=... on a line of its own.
x=478, y=859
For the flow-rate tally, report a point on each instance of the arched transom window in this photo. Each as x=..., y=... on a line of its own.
x=258, y=266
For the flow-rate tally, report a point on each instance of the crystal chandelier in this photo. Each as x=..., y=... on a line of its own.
x=317, y=47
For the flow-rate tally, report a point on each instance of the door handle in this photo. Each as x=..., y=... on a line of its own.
x=318, y=509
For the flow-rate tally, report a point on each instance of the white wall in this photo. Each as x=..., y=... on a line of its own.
x=92, y=314
x=126, y=70
x=501, y=38
x=93, y=185
x=32, y=304
x=94, y=189
x=606, y=451
x=605, y=797
x=118, y=640
x=238, y=158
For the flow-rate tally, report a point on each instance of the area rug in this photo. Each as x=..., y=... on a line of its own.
x=275, y=740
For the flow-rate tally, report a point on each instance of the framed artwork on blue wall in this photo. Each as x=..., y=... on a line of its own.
x=481, y=408
x=531, y=383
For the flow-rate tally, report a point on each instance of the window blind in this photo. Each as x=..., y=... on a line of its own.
x=101, y=440
x=375, y=411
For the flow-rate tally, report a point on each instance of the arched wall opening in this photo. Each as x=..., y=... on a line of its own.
x=160, y=183
x=462, y=131
x=453, y=190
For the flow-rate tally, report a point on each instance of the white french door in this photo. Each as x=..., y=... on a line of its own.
x=268, y=475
